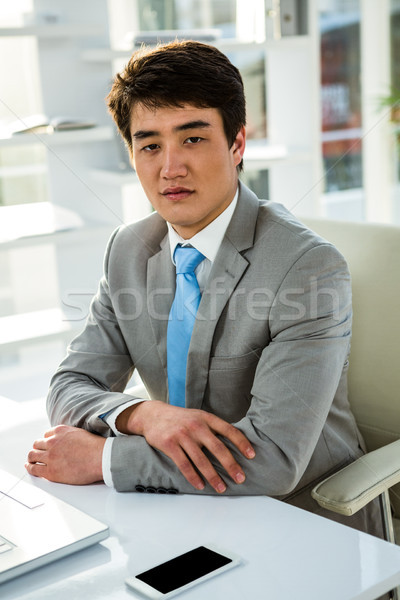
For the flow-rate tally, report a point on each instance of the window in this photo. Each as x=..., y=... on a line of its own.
x=188, y=14
x=341, y=98
x=23, y=167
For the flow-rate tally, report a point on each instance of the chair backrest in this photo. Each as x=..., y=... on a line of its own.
x=372, y=252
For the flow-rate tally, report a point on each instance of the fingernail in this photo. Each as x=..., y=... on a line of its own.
x=239, y=477
x=200, y=485
x=250, y=453
x=221, y=487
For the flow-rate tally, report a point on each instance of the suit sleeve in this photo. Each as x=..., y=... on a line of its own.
x=295, y=383
x=91, y=379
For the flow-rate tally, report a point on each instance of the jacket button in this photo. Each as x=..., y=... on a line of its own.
x=151, y=490
x=172, y=491
x=161, y=491
x=140, y=488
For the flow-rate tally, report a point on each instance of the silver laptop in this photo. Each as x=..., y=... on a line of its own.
x=37, y=528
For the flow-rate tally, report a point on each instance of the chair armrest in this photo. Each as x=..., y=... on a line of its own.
x=348, y=490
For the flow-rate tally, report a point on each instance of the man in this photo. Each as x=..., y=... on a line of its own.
x=264, y=408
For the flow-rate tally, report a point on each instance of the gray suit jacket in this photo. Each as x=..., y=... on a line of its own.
x=268, y=353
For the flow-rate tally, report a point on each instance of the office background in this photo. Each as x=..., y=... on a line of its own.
x=321, y=79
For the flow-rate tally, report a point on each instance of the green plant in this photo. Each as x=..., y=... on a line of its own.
x=392, y=101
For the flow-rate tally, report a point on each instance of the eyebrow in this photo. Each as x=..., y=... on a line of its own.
x=142, y=134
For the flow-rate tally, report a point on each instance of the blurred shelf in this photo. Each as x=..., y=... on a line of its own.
x=264, y=155
x=76, y=136
x=290, y=41
x=335, y=135
x=83, y=235
x=54, y=31
x=23, y=170
x=40, y=325
x=26, y=225
x=35, y=219
x=104, y=54
x=224, y=44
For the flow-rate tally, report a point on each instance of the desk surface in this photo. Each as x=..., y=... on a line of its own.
x=287, y=552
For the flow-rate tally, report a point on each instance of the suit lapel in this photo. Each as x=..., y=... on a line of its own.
x=228, y=269
x=160, y=293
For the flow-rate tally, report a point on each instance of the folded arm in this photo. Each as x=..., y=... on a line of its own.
x=296, y=380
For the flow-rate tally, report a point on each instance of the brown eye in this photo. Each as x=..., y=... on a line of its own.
x=150, y=147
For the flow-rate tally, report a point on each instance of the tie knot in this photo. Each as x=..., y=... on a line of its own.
x=187, y=259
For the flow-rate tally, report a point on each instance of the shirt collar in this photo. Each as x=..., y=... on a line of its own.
x=208, y=240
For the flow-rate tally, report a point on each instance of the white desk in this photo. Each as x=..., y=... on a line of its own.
x=288, y=553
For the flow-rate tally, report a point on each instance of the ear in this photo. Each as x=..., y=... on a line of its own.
x=239, y=145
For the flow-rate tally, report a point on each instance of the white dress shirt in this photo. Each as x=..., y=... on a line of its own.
x=207, y=241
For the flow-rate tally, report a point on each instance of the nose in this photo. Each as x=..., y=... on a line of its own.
x=173, y=164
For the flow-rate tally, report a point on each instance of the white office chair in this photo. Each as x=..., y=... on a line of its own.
x=373, y=255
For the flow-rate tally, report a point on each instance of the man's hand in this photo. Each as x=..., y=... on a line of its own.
x=182, y=434
x=67, y=455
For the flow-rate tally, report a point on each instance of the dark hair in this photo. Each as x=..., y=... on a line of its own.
x=178, y=73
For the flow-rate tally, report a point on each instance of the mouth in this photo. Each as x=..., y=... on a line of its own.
x=176, y=193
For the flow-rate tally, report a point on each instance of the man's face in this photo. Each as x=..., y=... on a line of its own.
x=184, y=163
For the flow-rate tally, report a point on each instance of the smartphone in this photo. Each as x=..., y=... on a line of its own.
x=183, y=572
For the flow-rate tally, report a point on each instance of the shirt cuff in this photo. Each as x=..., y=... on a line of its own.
x=110, y=419
x=106, y=462
x=111, y=416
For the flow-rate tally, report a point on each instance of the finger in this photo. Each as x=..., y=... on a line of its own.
x=40, y=444
x=36, y=470
x=36, y=456
x=204, y=465
x=225, y=458
x=50, y=432
x=233, y=434
x=178, y=456
x=201, y=434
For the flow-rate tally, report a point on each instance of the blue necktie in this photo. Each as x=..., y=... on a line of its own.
x=181, y=320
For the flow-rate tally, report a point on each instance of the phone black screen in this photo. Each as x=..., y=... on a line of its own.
x=183, y=569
